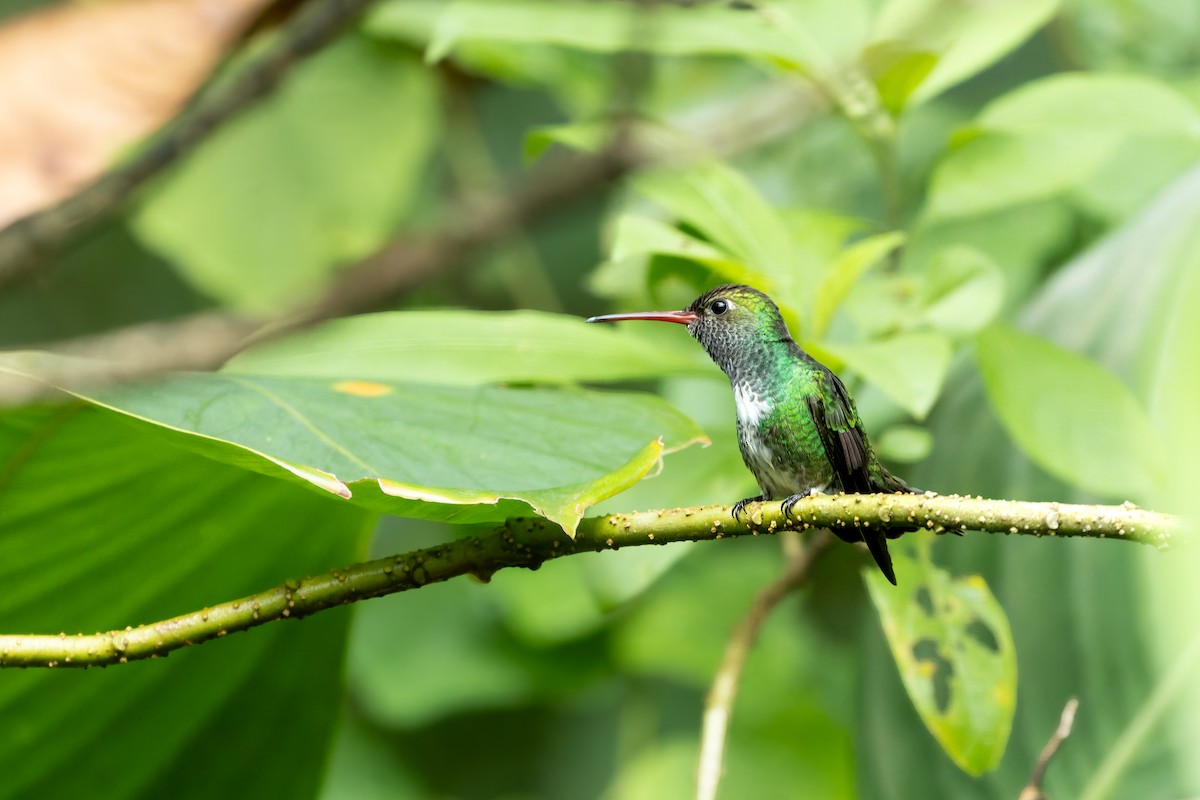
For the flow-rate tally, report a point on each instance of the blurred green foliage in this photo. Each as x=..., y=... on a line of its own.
x=989, y=230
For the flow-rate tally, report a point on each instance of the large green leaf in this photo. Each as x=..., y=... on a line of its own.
x=465, y=348
x=1105, y=444
x=101, y=526
x=315, y=177
x=438, y=452
x=952, y=644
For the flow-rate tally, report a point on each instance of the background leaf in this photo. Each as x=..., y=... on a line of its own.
x=841, y=275
x=1051, y=135
x=990, y=172
x=909, y=367
x=1094, y=104
x=965, y=37
x=315, y=177
x=720, y=202
x=466, y=348
x=608, y=28
x=962, y=291
x=1106, y=445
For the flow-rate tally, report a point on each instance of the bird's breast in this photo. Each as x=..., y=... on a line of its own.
x=752, y=405
x=779, y=474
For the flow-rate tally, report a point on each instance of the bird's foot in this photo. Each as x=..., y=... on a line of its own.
x=740, y=506
x=796, y=498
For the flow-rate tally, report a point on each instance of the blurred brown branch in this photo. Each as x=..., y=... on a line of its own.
x=1033, y=790
x=207, y=340
x=25, y=242
x=719, y=706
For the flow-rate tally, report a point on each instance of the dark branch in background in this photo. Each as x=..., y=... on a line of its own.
x=30, y=238
x=205, y=341
x=197, y=342
x=1034, y=791
x=719, y=707
x=528, y=542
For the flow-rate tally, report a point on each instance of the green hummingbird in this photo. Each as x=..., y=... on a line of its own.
x=797, y=427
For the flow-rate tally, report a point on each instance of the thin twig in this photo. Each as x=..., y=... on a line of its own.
x=528, y=542
x=1033, y=790
x=24, y=242
x=719, y=707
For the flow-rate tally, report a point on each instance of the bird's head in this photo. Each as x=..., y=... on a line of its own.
x=731, y=321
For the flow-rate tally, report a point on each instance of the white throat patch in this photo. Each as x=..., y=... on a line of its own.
x=751, y=408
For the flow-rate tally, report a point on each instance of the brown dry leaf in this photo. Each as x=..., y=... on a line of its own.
x=79, y=83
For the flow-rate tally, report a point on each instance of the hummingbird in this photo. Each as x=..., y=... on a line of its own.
x=797, y=427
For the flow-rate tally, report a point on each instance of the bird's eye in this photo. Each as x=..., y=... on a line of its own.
x=719, y=307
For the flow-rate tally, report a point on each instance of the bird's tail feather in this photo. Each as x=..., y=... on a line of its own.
x=877, y=544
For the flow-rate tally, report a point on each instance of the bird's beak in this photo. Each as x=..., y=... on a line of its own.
x=682, y=317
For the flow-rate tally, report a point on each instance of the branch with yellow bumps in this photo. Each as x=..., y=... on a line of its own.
x=529, y=542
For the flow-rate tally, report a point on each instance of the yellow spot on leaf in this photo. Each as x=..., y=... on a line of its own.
x=362, y=388
x=975, y=582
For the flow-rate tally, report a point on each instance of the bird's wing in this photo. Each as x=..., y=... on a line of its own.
x=841, y=432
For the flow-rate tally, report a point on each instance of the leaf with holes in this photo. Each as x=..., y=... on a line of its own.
x=955, y=653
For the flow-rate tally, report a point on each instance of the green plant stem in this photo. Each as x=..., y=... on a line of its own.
x=528, y=542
